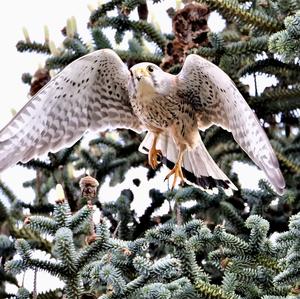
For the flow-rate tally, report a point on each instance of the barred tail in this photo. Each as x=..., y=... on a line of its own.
x=198, y=166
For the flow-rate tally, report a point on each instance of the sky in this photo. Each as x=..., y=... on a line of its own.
x=34, y=14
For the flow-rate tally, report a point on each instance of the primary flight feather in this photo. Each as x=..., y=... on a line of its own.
x=98, y=92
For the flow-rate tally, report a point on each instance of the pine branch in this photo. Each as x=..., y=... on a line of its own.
x=253, y=18
x=59, y=62
x=50, y=294
x=100, y=39
x=41, y=224
x=76, y=45
x=283, y=99
x=123, y=24
x=207, y=290
x=4, y=215
x=103, y=9
x=65, y=249
x=23, y=46
x=271, y=66
x=139, y=57
x=286, y=42
x=232, y=242
x=81, y=218
x=35, y=239
x=232, y=215
x=259, y=229
x=7, y=192
x=253, y=46
x=99, y=243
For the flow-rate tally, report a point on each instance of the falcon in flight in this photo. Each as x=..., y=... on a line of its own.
x=98, y=92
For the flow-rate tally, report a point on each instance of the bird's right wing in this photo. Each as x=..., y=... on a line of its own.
x=90, y=93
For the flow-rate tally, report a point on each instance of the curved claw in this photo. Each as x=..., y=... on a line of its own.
x=177, y=172
x=153, y=157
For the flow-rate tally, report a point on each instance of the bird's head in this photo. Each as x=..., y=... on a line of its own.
x=149, y=78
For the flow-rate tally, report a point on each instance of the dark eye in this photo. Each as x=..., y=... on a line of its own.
x=150, y=68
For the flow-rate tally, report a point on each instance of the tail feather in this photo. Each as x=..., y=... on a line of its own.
x=198, y=166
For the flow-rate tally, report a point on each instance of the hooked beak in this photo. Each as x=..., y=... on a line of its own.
x=140, y=73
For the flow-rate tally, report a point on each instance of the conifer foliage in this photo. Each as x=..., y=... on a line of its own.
x=217, y=247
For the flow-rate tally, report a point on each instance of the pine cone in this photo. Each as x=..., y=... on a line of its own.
x=190, y=30
x=88, y=186
x=40, y=79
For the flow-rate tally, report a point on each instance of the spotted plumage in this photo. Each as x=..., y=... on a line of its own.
x=98, y=92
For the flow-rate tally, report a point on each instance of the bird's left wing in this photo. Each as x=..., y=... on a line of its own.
x=216, y=100
x=90, y=93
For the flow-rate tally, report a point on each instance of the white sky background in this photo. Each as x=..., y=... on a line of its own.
x=34, y=14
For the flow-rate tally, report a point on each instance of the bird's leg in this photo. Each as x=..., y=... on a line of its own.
x=177, y=170
x=154, y=153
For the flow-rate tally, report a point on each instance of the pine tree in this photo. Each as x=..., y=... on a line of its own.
x=242, y=246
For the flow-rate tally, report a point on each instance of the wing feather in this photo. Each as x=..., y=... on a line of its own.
x=216, y=100
x=89, y=94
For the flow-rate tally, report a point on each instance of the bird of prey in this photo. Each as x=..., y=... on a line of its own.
x=98, y=92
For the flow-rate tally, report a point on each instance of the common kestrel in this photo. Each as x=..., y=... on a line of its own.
x=98, y=92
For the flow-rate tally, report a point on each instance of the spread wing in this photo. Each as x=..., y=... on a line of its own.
x=90, y=93
x=217, y=101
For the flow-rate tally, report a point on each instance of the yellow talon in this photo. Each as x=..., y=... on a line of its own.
x=152, y=157
x=177, y=171
x=154, y=153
